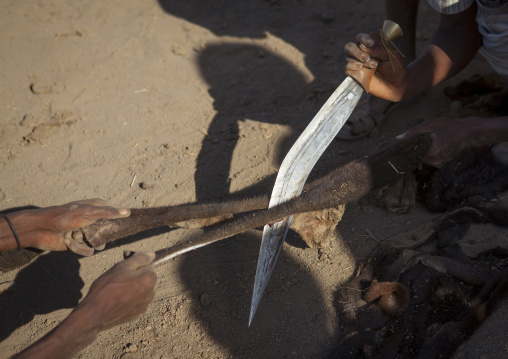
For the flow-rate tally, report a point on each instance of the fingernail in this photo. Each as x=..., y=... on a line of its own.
x=77, y=235
x=124, y=212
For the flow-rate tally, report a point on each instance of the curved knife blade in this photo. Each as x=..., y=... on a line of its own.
x=294, y=171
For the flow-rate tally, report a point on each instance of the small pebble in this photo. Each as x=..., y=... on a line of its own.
x=326, y=54
x=146, y=186
x=129, y=348
x=205, y=299
x=327, y=16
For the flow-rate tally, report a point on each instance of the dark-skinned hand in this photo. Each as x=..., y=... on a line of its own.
x=449, y=137
x=57, y=228
x=369, y=53
x=121, y=294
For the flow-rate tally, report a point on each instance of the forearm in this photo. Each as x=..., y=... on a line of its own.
x=488, y=131
x=72, y=335
x=430, y=69
x=24, y=223
x=450, y=50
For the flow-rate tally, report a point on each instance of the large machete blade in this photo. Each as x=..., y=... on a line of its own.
x=298, y=163
x=294, y=171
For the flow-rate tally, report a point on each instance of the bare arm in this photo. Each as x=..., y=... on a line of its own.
x=120, y=295
x=452, y=47
x=67, y=339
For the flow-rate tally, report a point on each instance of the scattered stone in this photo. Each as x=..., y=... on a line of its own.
x=146, y=186
x=205, y=299
x=130, y=348
x=327, y=16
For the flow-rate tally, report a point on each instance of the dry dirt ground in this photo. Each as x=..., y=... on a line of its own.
x=153, y=103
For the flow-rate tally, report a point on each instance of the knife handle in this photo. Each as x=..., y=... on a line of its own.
x=390, y=31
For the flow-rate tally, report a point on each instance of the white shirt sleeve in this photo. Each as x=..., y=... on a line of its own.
x=450, y=7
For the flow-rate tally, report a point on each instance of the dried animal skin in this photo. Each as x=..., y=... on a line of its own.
x=348, y=183
x=451, y=289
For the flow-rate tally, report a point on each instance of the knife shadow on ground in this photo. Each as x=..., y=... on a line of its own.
x=248, y=82
x=286, y=321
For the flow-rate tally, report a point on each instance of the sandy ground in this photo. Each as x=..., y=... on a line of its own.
x=194, y=99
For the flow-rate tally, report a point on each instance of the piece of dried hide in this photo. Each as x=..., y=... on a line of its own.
x=473, y=176
x=422, y=293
